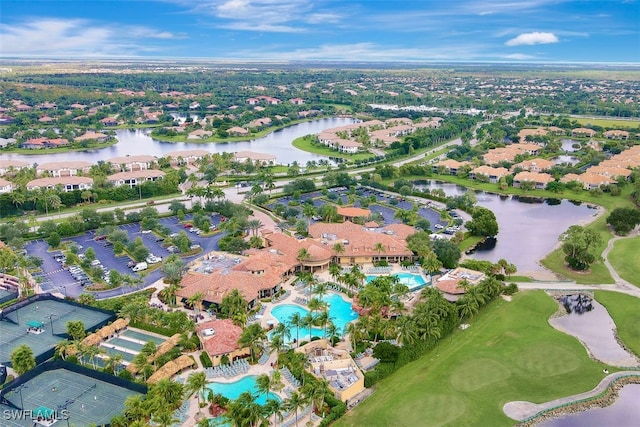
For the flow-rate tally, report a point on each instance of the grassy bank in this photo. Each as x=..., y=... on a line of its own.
x=68, y=149
x=306, y=144
x=624, y=311
x=468, y=379
x=624, y=258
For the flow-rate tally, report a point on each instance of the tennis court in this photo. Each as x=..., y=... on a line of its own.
x=87, y=400
x=52, y=314
x=142, y=336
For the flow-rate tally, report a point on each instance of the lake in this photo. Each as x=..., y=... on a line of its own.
x=621, y=413
x=139, y=141
x=529, y=227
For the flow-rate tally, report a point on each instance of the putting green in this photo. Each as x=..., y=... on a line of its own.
x=478, y=373
x=548, y=360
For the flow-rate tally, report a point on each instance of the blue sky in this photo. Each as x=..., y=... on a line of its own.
x=346, y=30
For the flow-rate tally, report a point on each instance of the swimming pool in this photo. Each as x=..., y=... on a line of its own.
x=121, y=342
x=137, y=335
x=340, y=313
x=235, y=389
x=413, y=281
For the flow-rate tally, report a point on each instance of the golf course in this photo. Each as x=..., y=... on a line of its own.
x=509, y=352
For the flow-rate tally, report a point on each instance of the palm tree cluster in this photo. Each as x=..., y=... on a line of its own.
x=158, y=406
x=352, y=279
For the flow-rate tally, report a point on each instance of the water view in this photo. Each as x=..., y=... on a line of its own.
x=529, y=227
x=139, y=141
x=621, y=413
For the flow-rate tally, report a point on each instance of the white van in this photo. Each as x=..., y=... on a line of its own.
x=140, y=266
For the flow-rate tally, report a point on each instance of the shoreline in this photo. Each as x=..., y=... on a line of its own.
x=606, y=398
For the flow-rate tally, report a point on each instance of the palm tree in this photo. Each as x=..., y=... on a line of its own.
x=431, y=263
x=379, y=247
x=334, y=271
x=114, y=360
x=164, y=418
x=294, y=403
x=277, y=345
x=253, y=337
x=308, y=210
x=195, y=301
x=338, y=248
x=91, y=351
x=274, y=406
x=196, y=383
x=357, y=274
x=467, y=306
x=264, y=384
x=63, y=347
x=331, y=332
x=254, y=226
x=356, y=333
x=283, y=330
x=136, y=407
x=307, y=322
x=315, y=392
x=296, y=321
x=303, y=255
x=168, y=392
x=406, y=331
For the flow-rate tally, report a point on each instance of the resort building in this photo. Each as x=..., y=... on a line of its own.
x=37, y=143
x=92, y=136
x=58, y=169
x=67, y=183
x=449, y=166
x=5, y=186
x=219, y=338
x=453, y=283
x=539, y=180
x=133, y=178
x=492, y=174
x=349, y=213
x=237, y=131
x=335, y=366
x=132, y=163
x=524, y=134
x=616, y=134
x=243, y=156
x=186, y=157
x=583, y=132
x=591, y=181
x=359, y=245
x=10, y=166
x=535, y=165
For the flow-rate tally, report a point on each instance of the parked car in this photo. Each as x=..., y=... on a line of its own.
x=140, y=266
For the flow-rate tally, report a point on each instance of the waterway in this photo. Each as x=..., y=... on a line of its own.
x=139, y=141
x=529, y=227
x=622, y=412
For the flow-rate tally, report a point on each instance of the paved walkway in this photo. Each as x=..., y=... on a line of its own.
x=523, y=410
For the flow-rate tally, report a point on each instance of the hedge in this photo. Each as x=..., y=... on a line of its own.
x=205, y=360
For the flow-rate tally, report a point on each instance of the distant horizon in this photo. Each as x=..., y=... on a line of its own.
x=265, y=61
x=414, y=31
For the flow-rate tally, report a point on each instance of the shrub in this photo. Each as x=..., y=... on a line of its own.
x=386, y=352
x=205, y=360
x=510, y=289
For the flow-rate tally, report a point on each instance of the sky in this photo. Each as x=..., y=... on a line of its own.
x=325, y=30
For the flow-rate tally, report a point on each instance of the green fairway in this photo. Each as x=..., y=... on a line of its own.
x=510, y=352
x=624, y=311
x=624, y=258
x=609, y=123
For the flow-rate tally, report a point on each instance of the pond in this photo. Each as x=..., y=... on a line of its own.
x=139, y=141
x=621, y=413
x=572, y=160
x=529, y=227
x=595, y=329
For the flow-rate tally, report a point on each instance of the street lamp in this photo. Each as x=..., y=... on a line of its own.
x=50, y=317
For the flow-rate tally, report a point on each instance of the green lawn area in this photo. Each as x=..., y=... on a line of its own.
x=608, y=123
x=58, y=150
x=510, y=352
x=519, y=279
x=623, y=309
x=624, y=258
x=306, y=144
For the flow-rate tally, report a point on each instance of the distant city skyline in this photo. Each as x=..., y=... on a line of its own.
x=325, y=30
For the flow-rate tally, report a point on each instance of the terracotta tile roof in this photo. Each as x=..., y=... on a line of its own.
x=53, y=181
x=533, y=177
x=540, y=164
x=17, y=164
x=54, y=166
x=254, y=156
x=142, y=158
x=489, y=171
x=187, y=153
x=147, y=173
x=450, y=286
x=352, y=212
x=217, y=285
x=225, y=339
x=91, y=135
x=371, y=224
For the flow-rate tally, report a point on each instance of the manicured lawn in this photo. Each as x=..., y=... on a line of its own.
x=624, y=311
x=509, y=352
x=625, y=257
x=609, y=123
x=518, y=279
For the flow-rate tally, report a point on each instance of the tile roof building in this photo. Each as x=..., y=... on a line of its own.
x=220, y=338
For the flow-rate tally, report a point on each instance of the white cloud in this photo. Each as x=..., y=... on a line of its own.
x=367, y=52
x=533, y=38
x=76, y=38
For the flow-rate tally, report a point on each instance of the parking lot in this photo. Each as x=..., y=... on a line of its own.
x=384, y=210
x=54, y=278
